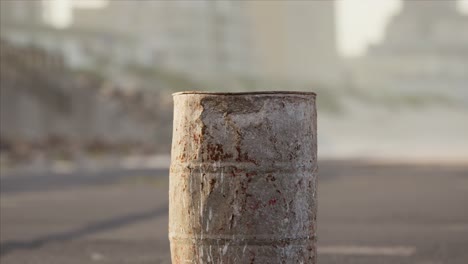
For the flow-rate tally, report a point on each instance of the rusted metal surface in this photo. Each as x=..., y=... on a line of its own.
x=243, y=182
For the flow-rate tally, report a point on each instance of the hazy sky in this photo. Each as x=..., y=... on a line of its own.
x=359, y=22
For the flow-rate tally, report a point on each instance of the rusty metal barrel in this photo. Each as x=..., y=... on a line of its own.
x=243, y=178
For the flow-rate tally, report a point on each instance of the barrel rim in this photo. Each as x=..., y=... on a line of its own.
x=245, y=93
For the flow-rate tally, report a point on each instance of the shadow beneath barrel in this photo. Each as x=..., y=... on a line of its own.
x=93, y=228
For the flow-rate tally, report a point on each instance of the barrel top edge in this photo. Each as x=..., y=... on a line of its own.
x=246, y=93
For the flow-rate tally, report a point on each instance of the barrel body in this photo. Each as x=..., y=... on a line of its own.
x=243, y=178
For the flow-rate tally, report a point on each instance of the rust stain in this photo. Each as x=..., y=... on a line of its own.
x=212, y=184
x=272, y=201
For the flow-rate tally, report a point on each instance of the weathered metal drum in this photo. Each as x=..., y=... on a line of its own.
x=243, y=178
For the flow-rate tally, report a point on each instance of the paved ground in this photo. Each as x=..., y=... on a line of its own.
x=367, y=214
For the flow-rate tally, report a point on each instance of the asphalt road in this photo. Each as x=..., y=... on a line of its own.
x=367, y=214
x=50, y=181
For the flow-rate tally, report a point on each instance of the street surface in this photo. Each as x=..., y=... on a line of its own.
x=368, y=213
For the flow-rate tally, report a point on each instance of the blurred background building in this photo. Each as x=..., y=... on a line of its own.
x=425, y=50
x=200, y=39
x=294, y=41
x=88, y=75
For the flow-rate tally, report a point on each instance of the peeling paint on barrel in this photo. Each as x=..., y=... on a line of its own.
x=243, y=178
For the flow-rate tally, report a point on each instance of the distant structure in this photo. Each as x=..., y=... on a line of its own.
x=425, y=51
x=205, y=40
x=25, y=23
x=268, y=40
x=202, y=39
x=295, y=40
x=23, y=12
